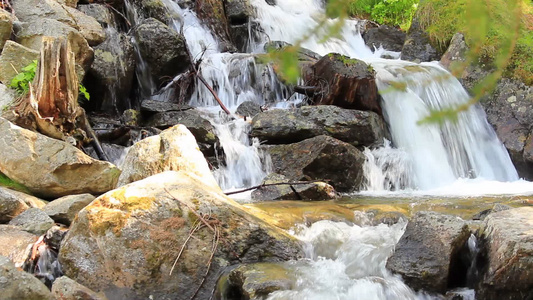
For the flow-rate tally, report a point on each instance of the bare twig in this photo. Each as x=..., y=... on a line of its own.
x=193, y=211
x=119, y=13
x=271, y=184
x=193, y=230
x=216, y=238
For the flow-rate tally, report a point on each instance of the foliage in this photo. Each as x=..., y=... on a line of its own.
x=500, y=32
x=9, y=183
x=21, y=82
x=389, y=12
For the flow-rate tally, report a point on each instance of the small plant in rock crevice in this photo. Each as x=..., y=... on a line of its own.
x=21, y=82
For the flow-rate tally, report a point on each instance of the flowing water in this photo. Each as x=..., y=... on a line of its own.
x=348, y=261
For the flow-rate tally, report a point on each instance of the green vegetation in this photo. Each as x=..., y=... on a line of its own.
x=389, y=12
x=10, y=183
x=21, y=82
x=499, y=32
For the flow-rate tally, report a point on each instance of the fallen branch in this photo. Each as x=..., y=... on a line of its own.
x=216, y=238
x=119, y=13
x=213, y=93
x=272, y=184
x=308, y=91
x=193, y=230
x=94, y=139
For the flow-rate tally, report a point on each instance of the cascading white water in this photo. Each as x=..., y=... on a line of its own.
x=387, y=169
x=347, y=262
x=440, y=153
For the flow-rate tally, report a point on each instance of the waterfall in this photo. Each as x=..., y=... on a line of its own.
x=439, y=153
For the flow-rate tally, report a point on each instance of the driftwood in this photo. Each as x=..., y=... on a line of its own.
x=272, y=184
x=308, y=91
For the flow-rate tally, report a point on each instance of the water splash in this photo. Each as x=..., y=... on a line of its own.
x=347, y=262
x=387, y=169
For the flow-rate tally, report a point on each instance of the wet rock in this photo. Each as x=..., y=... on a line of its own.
x=32, y=32
x=309, y=191
x=162, y=48
x=508, y=111
x=17, y=284
x=390, y=38
x=238, y=15
x=200, y=127
x=49, y=167
x=320, y=158
x=248, y=109
x=13, y=203
x=88, y=27
x=256, y=281
x=350, y=84
x=359, y=128
x=65, y=209
x=426, y=256
x=175, y=149
x=6, y=26
x=496, y=208
x=33, y=220
x=7, y=96
x=100, y=13
x=212, y=13
x=456, y=52
x=65, y=288
x=14, y=57
x=125, y=242
x=115, y=153
x=154, y=106
x=14, y=242
x=156, y=9
x=54, y=236
x=508, y=248
x=417, y=46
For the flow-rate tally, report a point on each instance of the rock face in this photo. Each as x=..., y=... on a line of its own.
x=13, y=203
x=6, y=26
x=17, y=284
x=15, y=56
x=33, y=220
x=111, y=74
x=425, y=255
x=7, y=96
x=156, y=9
x=359, y=128
x=350, y=83
x=248, y=109
x=320, y=158
x=65, y=209
x=162, y=48
x=309, y=191
x=100, y=13
x=51, y=168
x=417, y=46
x=65, y=288
x=456, y=52
x=126, y=241
x=508, y=248
x=508, y=111
x=390, y=38
x=238, y=15
x=175, y=149
x=212, y=13
x=14, y=242
x=32, y=32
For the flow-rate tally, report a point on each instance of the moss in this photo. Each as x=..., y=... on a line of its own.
x=102, y=219
x=12, y=184
x=441, y=19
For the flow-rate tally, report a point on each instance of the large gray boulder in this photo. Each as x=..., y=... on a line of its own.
x=126, y=242
x=32, y=32
x=65, y=209
x=175, y=149
x=17, y=284
x=110, y=77
x=426, y=254
x=359, y=128
x=163, y=49
x=14, y=57
x=320, y=158
x=13, y=203
x=158, y=10
x=49, y=167
x=36, y=10
x=33, y=220
x=101, y=13
x=14, y=243
x=508, y=248
x=6, y=27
